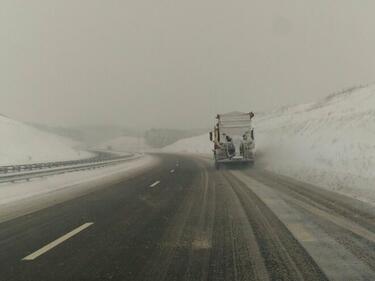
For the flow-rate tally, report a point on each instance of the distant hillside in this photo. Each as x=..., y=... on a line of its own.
x=159, y=138
x=126, y=144
x=90, y=135
x=68, y=132
x=21, y=143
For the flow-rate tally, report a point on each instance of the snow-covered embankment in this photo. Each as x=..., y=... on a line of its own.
x=22, y=144
x=330, y=143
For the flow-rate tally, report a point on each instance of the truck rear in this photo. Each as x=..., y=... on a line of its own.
x=233, y=138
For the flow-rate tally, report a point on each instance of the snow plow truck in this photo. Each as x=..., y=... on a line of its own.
x=233, y=138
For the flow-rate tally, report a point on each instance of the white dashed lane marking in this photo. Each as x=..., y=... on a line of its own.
x=155, y=184
x=57, y=242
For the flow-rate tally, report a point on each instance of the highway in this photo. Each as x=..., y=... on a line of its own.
x=184, y=220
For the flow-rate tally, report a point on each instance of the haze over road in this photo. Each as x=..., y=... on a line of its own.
x=184, y=220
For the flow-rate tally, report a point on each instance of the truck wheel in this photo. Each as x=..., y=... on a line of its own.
x=217, y=165
x=250, y=164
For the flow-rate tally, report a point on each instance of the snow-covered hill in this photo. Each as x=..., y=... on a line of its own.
x=21, y=144
x=330, y=143
x=200, y=145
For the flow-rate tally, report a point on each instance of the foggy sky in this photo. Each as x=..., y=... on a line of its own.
x=174, y=63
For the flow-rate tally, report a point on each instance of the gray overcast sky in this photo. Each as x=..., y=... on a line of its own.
x=161, y=63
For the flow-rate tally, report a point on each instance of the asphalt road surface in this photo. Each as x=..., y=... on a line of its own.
x=184, y=220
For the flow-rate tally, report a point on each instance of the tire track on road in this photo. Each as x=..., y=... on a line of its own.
x=284, y=257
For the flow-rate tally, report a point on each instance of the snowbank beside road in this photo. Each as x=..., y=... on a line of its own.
x=22, y=144
x=330, y=143
x=20, y=198
x=199, y=145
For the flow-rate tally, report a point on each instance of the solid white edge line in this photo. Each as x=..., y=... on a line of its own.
x=155, y=184
x=57, y=242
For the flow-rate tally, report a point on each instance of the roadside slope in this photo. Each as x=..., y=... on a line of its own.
x=21, y=143
x=199, y=145
x=330, y=143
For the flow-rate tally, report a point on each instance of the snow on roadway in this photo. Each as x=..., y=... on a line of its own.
x=17, y=198
x=330, y=143
x=22, y=144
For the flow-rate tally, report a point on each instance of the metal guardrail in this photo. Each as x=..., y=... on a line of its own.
x=27, y=172
x=100, y=157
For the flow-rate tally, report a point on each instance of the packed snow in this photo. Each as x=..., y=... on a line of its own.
x=22, y=144
x=330, y=143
